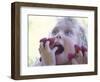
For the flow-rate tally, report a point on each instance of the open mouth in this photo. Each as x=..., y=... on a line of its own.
x=53, y=44
x=60, y=48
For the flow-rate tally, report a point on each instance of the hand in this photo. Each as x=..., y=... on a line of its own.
x=47, y=54
x=80, y=57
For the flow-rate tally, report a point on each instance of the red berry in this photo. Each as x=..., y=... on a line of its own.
x=51, y=41
x=84, y=49
x=77, y=48
x=44, y=41
x=70, y=56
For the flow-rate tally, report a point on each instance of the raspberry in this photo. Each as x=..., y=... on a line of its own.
x=51, y=40
x=77, y=48
x=71, y=56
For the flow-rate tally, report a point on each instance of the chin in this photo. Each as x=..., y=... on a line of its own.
x=61, y=59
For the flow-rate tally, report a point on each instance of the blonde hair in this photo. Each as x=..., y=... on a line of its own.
x=75, y=24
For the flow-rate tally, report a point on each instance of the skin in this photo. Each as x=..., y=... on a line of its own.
x=66, y=34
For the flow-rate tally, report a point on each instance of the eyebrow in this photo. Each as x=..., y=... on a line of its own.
x=55, y=29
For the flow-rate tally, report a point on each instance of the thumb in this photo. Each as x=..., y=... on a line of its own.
x=55, y=49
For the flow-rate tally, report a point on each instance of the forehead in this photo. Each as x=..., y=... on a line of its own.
x=64, y=24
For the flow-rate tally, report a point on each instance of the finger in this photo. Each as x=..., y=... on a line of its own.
x=80, y=60
x=39, y=50
x=79, y=54
x=41, y=45
x=47, y=46
x=74, y=61
x=84, y=49
x=55, y=49
x=85, y=54
x=79, y=57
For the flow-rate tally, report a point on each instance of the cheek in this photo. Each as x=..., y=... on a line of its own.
x=71, y=40
x=69, y=45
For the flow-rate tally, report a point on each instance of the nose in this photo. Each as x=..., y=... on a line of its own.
x=58, y=36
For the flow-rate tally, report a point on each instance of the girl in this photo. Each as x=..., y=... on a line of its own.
x=70, y=35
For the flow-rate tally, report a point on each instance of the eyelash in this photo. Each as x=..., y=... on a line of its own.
x=68, y=33
x=54, y=32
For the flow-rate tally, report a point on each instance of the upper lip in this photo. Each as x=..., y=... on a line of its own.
x=57, y=43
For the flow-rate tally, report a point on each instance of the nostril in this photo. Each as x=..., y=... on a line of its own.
x=59, y=37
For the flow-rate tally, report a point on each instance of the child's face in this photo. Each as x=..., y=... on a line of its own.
x=66, y=35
